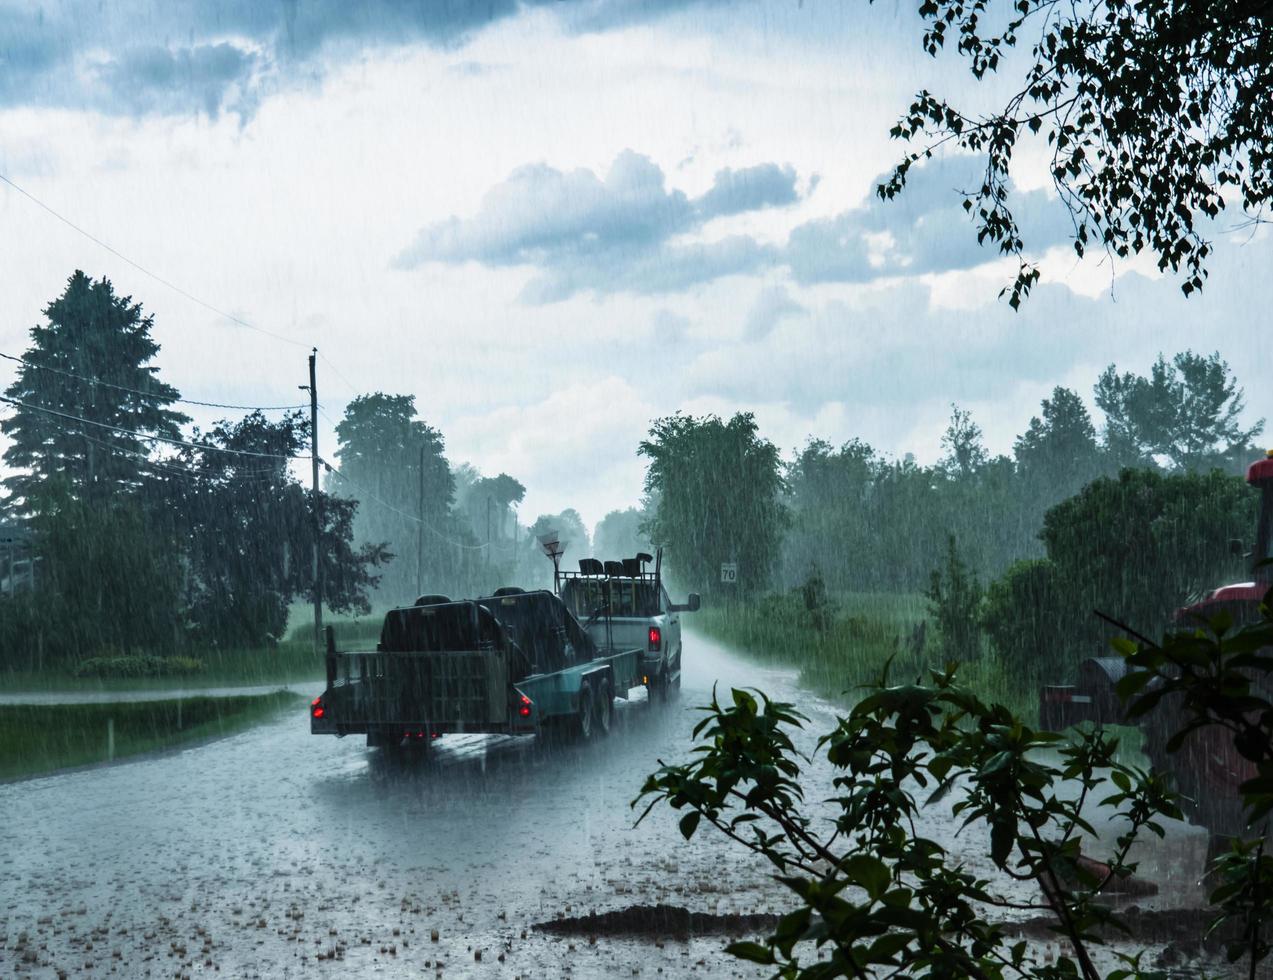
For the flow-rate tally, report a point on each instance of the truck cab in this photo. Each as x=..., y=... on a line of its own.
x=621, y=605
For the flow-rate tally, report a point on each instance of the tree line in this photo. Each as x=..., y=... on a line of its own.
x=1134, y=514
x=153, y=536
x=149, y=537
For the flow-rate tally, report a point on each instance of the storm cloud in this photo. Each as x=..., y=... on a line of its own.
x=133, y=57
x=627, y=231
x=924, y=230
x=607, y=234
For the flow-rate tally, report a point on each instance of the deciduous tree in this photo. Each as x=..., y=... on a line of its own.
x=1157, y=116
x=718, y=486
x=382, y=447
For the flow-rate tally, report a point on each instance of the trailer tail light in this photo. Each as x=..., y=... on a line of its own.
x=656, y=638
x=523, y=706
x=316, y=708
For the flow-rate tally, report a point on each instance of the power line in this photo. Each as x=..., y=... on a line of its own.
x=179, y=290
x=336, y=371
x=148, y=436
x=138, y=391
x=178, y=471
x=142, y=269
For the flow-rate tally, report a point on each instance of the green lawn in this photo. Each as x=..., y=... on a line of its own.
x=293, y=661
x=42, y=738
x=860, y=633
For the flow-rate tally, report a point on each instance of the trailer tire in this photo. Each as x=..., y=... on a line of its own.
x=604, y=707
x=584, y=719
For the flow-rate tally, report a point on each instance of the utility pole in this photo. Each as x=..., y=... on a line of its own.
x=317, y=506
x=419, y=540
x=488, y=529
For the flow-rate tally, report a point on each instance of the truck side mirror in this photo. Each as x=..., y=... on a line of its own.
x=693, y=602
x=1237, y=548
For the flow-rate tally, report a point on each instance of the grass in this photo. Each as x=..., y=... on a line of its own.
x=293, y=661
x=41, y=738
x=859, y=635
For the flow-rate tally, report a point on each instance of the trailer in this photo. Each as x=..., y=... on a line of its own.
x=513, y=663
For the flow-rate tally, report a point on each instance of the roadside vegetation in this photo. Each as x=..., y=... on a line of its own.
x=857, y=636
x=42, y=738
x=995, y=562
x=873, y=894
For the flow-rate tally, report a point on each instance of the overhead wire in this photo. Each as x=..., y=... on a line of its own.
x=239, y=321
x=147, y=272
x=149, y=436
x=336, y=371
x=137, y=391
x=178, y=471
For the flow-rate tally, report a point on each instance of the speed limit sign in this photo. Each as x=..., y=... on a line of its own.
x=729, y=572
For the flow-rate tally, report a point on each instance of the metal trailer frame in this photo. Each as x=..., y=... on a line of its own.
x=393, y=695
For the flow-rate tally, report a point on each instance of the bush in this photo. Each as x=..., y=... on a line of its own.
x=1029, y=627
x=954, y=597
x=1139, y=546
x=138, y=665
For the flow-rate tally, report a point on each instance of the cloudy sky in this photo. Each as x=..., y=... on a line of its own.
x=554, y=221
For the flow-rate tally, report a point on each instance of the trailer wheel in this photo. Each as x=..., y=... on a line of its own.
x=584, y=719
x=604, y=707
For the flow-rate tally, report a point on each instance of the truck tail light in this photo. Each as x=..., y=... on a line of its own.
x=523, y=704
x=316, y=708
x=656, y=638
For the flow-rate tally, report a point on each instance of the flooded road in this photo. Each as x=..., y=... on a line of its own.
x=258, y=854
x=275, y=853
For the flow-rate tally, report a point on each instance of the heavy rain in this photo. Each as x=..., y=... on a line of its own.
x=626, y=488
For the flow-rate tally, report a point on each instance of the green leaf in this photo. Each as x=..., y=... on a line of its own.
x=689, y=823
x=752, y=952
x=869, y=872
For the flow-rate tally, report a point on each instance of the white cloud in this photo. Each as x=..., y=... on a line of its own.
x=587, y=233
x=291, y=219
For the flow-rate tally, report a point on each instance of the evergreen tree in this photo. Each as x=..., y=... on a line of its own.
x=89, y=362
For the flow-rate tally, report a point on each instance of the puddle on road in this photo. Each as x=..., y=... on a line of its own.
x=660, y=922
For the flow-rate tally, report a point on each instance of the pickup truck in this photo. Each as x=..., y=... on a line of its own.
x=622, y=605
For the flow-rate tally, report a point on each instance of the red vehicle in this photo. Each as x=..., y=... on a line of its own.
x=1207, y=769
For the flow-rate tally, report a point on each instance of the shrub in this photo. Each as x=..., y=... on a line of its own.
x=954, y=598
x=1028, y=624
x=138, y=665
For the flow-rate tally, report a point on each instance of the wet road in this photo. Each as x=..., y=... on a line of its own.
x=265, y=853
x=253, y=855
